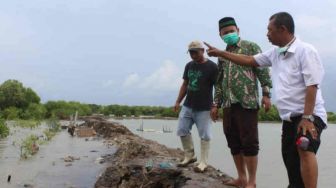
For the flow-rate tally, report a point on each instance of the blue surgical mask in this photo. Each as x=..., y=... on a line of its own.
x=283, y=49
x=231, y=38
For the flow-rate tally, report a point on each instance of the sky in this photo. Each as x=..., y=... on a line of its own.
x=133, y=52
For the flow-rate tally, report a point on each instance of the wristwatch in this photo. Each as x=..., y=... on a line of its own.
x=266, y=94
x=308, y=117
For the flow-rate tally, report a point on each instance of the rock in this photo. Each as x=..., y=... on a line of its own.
x=68, y=159
x=100, y=160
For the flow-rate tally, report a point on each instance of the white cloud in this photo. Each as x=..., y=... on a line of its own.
x=131, y=80
x=166, y=78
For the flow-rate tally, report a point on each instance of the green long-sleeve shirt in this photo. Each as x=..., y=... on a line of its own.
x=238, y=84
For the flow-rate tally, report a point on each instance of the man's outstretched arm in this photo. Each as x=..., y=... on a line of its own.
x=235, y=58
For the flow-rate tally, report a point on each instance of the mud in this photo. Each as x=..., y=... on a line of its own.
x=139, y=162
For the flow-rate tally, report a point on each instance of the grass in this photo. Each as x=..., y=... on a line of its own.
x=4, y=130
x=29, y=145
x=27, y=123
x=53, y=127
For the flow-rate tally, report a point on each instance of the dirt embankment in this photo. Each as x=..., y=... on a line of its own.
x=139, y=162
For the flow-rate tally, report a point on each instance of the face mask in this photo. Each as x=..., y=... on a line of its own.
x=231, y=38
x=282, y=49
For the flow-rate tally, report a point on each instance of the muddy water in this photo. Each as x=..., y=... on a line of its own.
x=271, y=171
x=47, y=168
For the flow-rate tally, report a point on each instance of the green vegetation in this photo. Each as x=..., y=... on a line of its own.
x=120, y=110
x=4, y=130
x=331, y=117
x=63, y=109
x=53, y=127
x=29, y=146
x=271, y=115
x=27, y=123
x=19, y=102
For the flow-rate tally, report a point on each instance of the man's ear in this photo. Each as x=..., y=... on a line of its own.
x=283, y=28
x=238, y=31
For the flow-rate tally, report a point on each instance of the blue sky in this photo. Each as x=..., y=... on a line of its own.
x=133, y=52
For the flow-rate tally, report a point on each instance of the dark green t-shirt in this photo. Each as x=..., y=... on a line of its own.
x=201, y=78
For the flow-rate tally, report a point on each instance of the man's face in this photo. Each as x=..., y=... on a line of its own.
x=196, y=55
x=274, y=33
x=228, y=29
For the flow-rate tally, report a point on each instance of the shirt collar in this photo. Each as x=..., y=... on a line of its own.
x=293, y=46
x=234, y=46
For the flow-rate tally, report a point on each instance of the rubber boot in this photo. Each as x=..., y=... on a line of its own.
x=201, y=167
x=189, y=153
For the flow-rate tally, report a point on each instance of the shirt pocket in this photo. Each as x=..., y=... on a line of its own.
x=292, y=74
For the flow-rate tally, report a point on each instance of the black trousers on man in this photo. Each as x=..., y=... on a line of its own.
x=289, y=149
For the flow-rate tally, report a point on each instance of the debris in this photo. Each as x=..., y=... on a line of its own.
x=28, y=185
x=149, y=165
x=71, y=130
x=85, y=132
x=70, y=158
x=165, y=165
x=132, y=165
x=100, y=160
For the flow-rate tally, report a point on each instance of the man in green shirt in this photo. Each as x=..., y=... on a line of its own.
x=236, y=91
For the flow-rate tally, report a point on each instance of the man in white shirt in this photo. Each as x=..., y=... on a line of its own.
x=297, y=73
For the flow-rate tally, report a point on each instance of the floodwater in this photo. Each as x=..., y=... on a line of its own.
x=271, y=171
x=47, y=168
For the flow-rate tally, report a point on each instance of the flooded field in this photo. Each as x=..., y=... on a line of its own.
x=48, y=167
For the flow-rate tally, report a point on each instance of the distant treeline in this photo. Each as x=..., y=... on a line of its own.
x=19, y=102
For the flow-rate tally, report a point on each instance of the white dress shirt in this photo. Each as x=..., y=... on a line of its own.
x=292, y=72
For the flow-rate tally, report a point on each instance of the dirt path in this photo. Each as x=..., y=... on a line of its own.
x=139, y=162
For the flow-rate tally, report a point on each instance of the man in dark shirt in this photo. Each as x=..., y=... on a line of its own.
x=199, y=78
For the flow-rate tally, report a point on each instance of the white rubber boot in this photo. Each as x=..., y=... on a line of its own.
x=189, y=153
x=205, y=145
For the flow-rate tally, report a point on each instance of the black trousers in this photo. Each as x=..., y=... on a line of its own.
x=241, y=130
x=289, y=149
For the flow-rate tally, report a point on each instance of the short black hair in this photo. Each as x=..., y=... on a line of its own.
x=285, y=19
